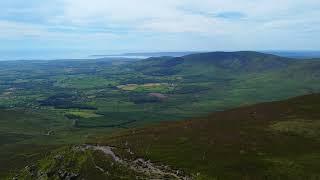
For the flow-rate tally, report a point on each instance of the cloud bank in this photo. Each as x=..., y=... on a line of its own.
x=161, y=25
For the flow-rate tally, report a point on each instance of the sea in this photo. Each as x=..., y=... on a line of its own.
x=6, y=55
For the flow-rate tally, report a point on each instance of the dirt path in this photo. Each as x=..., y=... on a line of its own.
x=107, y=151
x=142, y=166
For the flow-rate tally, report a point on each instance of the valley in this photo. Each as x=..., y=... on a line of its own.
x=47, y=105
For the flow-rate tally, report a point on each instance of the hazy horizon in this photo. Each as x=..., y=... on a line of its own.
x=157, y=26
x=81, y=54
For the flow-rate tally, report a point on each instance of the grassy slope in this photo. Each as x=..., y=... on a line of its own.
x=76, y=163
x=24, y=137
x=269, y=140
x=275, y=140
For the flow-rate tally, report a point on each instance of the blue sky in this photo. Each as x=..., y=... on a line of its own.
x=159, y=25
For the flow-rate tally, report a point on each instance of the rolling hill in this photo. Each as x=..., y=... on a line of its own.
x=221, y=80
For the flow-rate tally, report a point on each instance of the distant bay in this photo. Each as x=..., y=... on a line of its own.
x=94, y=54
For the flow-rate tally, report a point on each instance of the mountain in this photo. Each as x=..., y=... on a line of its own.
x=234, y=78
x=275, y=140
x=296, y=54
x=288, y=54
x=149, y=54
x=244, y=61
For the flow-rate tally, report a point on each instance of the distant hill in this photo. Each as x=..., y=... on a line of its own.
x=288, y=54
x=239, y=61
x=221, y=64
x=221, y=80
x=149, y=54
x=243, y=60
x=296, y=54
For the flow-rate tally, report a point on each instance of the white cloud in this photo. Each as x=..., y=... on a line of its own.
x=171, y=16
x=14, y=30
x=98, y=20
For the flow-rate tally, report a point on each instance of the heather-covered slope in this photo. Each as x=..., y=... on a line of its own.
x=276, y=140
x=268, y=140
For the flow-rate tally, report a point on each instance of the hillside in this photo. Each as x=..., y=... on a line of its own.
x=275, y=140
x=239, y=62
x=221, y=80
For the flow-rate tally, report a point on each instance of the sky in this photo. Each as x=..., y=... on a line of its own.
x=159, y=25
